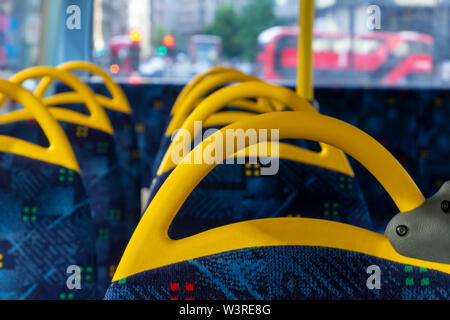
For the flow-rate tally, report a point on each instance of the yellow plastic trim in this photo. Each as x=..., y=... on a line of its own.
x=74, y=97
x=290, y=152
x=59, y=151
x=226, y=117
x=328, y=158
x=119, y=101
x=150, y=246
x=199, y=91
x=305, y=51
x=285, y=151
x=98, y=119
x=260, y=106
x=194, y=82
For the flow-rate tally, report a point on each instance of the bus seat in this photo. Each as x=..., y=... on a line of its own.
x=91, y=137
x=193, y=93
x=151, y=110
x=120, y=116
x=281, y=258
x=46, y=225
x=309, y=184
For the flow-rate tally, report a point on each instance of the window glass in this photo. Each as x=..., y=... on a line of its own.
x=357, y=43
x=393, y=43
x=20, y=31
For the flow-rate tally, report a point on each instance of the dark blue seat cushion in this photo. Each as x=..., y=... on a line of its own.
x=290, y=272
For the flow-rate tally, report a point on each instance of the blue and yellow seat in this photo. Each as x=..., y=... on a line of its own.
x=91, y=137
x=306, y=183
x=46, y=224
x=280, y=258
x=120, y=115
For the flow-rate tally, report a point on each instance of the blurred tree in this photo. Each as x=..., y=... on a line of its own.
x=256, y=16
x=239, y=32
x=226, y=26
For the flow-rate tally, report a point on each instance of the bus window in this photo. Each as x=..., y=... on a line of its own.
x=410, y=46
x=130, y=38
x=20, y=31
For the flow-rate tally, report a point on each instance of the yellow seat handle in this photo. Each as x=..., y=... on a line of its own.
x=151, y=247
x=98, y=119
x=226, y=117
x=119, y=101
x=59, y=151
x=329, y=157
x=194, y=82
x=189, y=102
x=258, y=106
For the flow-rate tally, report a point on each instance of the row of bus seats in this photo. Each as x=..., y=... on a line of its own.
x=71, y=186
x=214, y=232
x=207, y=231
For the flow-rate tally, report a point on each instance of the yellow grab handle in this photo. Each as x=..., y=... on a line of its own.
x=150, y=247
x=226, y=117
x=119, y=101
x=201, y=90
x=74, y=97
x=59, y=151
x=259, y=106
x=98, y=119
x=199, y=78
x=328, y=157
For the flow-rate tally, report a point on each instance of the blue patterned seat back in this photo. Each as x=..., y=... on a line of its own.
x=101, y=175
x=45, y=227
x=282, y=272
x=128, y=152
x=411, y=123
x=151, y=109
x=238, y=192
x=126, y=141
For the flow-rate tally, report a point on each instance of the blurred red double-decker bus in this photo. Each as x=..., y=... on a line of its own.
x=389, y=58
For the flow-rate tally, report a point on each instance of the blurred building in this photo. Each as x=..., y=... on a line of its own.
x=287, y=10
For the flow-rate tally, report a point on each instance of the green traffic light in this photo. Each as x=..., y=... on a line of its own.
x=162, y=50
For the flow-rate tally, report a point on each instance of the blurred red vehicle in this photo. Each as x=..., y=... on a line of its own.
x=388, y=58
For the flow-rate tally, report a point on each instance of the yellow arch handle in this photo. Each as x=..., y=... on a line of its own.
x=199, y=91
x=119, y=101
x=74, y=97
x=194, y=82
x=98, y=119
x=150, y=247
x=328, y=157
x=226, y=117
x=259, y=106
x=59, y=151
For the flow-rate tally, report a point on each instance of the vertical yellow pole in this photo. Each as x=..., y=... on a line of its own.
x=305, y=52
